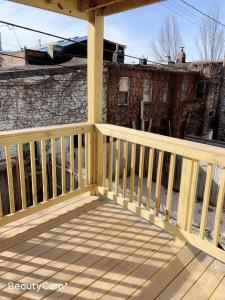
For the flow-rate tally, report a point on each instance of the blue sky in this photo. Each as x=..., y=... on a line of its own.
x=135, y=28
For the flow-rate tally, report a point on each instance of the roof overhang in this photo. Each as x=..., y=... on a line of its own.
x=82, y=8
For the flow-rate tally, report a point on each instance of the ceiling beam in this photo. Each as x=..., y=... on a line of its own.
x=65, y=7
x=93, y=4
x=126, y=5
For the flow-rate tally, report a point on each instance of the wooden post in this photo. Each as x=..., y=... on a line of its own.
x=95, y=86
x=95, y=66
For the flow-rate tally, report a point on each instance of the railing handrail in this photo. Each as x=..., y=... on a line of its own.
x=38, y=133
x=185, y=148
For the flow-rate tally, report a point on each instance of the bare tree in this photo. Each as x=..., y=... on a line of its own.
x=168, y=40
x=210, y=39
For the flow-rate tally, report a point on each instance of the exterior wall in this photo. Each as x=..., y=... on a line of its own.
x=213, y=74
x=44, y=97
x=172, y=113
x=10, y=61
x=221, y=110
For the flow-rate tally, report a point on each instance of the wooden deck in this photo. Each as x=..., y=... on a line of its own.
x=100, y=250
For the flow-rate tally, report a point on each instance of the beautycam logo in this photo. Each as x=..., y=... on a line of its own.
x=35, y=286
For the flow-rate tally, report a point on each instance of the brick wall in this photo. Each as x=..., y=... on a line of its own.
x=44, y=97
x=173, y=110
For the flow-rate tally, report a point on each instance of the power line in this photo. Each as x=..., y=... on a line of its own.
x=178, y=13
x=203, y=13
x=72, y=40
x=189, y=16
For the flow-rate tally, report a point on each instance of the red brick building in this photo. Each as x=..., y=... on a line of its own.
x=158, y=99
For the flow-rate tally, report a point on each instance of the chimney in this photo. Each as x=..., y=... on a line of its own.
x=181, y=56
x=143, y=61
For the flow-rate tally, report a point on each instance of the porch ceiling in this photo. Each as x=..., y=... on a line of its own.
x=81, y=8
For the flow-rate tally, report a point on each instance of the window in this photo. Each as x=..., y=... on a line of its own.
x=201, y=89
x=211, y=119
x=165, y=92
x=211, y=113
x=147, y=91
x=124, y=89
x=184, y=88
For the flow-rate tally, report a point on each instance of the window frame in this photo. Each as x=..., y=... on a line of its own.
x=124, y=90
x=183, y=97
x=149, y=84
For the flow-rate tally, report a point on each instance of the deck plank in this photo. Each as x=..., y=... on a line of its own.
x=112, y=277
x=134, y=281
x=210, y=279
x=84, y=267
x=38, y=257
x=79, y=223
x=219, y=291
x=102, y=251
x=187, y=278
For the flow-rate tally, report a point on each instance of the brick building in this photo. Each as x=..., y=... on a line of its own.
x=212, y=86
x=159, y=99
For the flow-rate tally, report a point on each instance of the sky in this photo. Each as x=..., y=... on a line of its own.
x=135, y=28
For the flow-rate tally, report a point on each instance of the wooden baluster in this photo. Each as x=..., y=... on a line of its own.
x=54, y=175
x=1, y=208
x=104, y=161
x=149, y=179
x=158, y=182
x=99, y=157
x=71, y=163
x=110, y=163
x=194, y=183
x=170, y=186
x=79, y=160
x=185, y=187
x=117, y=166
x=207, y=190
x=132, y=171
x=125, y=159
x=141, y=170
x=86, y=158
x=22, y=176
x=33, y=173
x=219, y=208
x=63, y=164
x=10, y=179
x=44, y=170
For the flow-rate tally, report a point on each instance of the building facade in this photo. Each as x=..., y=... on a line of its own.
x=159, y=99
x=151, y=98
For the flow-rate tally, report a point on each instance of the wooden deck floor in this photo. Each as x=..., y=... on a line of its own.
x=98, y=250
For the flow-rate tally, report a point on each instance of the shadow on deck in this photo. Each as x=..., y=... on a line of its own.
x=92, y=248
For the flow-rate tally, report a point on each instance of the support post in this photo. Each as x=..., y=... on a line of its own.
x=95, y=66
x=95, y=87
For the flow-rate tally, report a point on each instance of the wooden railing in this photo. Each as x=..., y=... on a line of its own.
x=61, y=157
x=121, y=150
x=48, y=165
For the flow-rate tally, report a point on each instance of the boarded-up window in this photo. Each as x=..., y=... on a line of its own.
x=124, y=89
x=184, y=88
x=147, y=91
